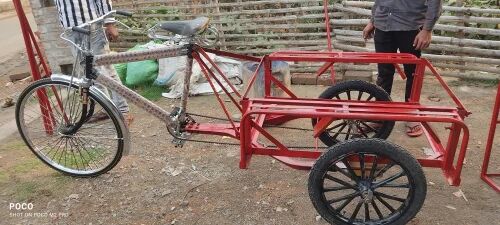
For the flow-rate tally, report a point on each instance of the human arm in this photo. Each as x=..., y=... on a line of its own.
x=103, y=7
x=369, y=29
x=424, y=37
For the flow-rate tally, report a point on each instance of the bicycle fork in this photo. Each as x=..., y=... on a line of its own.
x=90, y=74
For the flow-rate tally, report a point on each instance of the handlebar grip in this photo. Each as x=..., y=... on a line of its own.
x=123, y=13
x=80, y=30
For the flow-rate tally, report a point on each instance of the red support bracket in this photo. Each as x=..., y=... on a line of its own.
x=33, y=51
x=488, y=177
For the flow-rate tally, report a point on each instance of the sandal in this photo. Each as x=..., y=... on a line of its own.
x=414, y=129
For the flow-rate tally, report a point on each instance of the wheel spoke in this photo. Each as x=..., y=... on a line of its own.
x=369, y=98
x=388, y=180
x=377, y=210
x=407, y=185
x=360, y=95
x=339, y=181
x=374, y=168
x=348, y=95
x=367, y=212
x=368, y=126
x=362, y=164
x=355, y=213
x=339, y=132
x=350, y=170
x=353, y=195
x=387, y=205
x=348, y=133
x=346, y=202
x=383, y=170
x=360, y=129
x=389, y=196
x=353, y=177
x=336, y=126
x=330, y=189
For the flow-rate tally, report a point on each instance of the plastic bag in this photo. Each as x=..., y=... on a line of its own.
x=121, y=70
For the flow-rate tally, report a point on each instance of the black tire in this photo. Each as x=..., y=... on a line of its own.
x=364, y=129
x=82, y=150
x=374, y=183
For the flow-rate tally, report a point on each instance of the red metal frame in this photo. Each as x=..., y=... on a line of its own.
x=488, y=177
x=38, y=67
x=257, y=113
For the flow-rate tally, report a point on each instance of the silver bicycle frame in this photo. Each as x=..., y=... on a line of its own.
x=132, y=96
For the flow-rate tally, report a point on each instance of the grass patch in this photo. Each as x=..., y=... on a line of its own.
x=151, y=92
x=89, y=156
x=475, y=82
x=3, y=177
x=25, y=190
x=26, y=166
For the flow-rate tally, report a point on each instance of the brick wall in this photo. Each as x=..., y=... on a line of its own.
x=57, y=51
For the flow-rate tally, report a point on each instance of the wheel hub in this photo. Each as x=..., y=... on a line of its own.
x=364, y=188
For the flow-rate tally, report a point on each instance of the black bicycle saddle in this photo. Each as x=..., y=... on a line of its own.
x=186, y=27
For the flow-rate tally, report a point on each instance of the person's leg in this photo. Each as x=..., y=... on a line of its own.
x=384, y=43
x=405, y=45
x=100, y=45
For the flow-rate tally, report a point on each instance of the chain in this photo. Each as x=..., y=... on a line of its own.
x=223, y=119
x=237, y=144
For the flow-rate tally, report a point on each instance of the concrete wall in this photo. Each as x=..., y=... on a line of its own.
x=57, y=51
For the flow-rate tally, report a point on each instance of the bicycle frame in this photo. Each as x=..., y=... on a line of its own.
x=194, y=53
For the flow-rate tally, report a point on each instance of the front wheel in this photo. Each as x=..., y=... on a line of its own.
x=46, y=113
x=367, y=181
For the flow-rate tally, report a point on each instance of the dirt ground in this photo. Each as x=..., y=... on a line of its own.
x=202, y=184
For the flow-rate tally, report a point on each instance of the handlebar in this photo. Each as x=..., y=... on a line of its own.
x=124, y=13
x=83, y=28
x=80, y=30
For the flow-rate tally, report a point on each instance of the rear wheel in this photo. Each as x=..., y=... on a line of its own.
x=367, y=181
x=46, y=112
x=342, y=130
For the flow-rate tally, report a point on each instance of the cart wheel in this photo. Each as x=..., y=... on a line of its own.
x=367, y=181
x=342, y=130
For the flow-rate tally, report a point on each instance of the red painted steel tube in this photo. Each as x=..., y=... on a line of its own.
x=268, y=73
x=200, y=50
x=489, y=145
x=329, y=40
x=210, y=73
x=252, y=80
x=204, y=69
x=233, y=55
x=273, y=107
x=29, y=41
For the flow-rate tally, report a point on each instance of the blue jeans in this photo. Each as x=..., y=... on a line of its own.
x=99, y=45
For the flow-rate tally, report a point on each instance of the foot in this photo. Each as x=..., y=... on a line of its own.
x=128, y=119
x=100, y=116
x=414, y=129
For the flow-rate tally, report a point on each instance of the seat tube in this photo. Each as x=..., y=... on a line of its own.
x=187, y=81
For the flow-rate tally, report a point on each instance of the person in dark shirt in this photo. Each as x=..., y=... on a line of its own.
x=404, y=25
